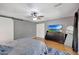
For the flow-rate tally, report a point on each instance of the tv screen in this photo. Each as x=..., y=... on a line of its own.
x=57, y=27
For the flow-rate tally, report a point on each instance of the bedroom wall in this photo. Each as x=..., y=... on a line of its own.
x=63, y=21
x=6, y=30
x=24, y=29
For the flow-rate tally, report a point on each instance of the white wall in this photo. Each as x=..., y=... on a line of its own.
x=6, y=30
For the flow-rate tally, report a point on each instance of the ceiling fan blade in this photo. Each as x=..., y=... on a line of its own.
x=40, y=17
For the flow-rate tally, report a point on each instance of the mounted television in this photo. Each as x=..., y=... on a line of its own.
x=55, y=27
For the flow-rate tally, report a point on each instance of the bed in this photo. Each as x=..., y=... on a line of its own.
x=27, y=46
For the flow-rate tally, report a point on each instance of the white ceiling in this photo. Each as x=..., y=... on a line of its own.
x=48, y=10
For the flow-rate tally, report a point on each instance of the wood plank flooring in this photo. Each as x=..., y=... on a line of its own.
x=60, y=47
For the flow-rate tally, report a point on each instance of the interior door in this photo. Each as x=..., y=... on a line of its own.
x=40, y=28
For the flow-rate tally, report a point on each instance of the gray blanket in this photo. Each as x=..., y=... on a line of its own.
x=27, y=46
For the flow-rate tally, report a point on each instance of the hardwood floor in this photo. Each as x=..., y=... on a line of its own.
x=60, y=47
x=57, y=45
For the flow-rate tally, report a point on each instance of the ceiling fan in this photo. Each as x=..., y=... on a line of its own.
x=36, y=16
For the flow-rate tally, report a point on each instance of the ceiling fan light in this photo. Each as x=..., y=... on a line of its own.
x=34, y=19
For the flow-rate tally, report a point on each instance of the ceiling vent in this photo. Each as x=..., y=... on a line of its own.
x=58, y=5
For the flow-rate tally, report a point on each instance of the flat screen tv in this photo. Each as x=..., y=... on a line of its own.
x=57, y=27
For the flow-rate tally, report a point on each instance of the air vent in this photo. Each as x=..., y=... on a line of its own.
x=57, y=5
